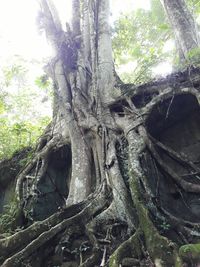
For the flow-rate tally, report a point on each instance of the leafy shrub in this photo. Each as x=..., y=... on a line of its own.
x=9, y=216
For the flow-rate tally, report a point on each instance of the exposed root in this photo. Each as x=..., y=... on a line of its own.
x=15, y=242
x=41, y=232
x=182, y=158
x=41, y=155
x=130, y=248
x=188, y=187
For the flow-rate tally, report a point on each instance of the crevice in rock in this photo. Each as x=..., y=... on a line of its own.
x=50, y=193
x=174, y=125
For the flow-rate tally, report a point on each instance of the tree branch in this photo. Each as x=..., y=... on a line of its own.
x=76, y=28
x=96, y=205
x=51, y=22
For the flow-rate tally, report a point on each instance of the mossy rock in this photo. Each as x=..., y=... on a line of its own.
x=162, y=251
x=190, y=252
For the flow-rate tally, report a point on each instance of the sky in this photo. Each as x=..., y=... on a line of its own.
x=18, y=30
x=19, y=34
x=20, y=38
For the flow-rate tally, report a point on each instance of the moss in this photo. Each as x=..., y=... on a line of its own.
x=131, y=247
x=10, y=218
x=9, y=168
x=159, y=247
x=178, y=261
x=190, y=252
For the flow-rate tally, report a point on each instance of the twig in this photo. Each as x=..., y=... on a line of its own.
x=104, y=257
x=167, y=114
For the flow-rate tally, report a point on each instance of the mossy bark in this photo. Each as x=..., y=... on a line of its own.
x=130, y=248
x=161, y=250
x=190, y=252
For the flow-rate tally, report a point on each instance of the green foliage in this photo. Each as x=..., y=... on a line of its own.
x=140, y=37
x=193, y=56
x=194, y=6
x=2, y=105
x=43, y=82
x=9, y=216
x=192, y=59
x=16, y=136
x=23, y=115
x=165, y=226
x=15, y=71
x=190, y=252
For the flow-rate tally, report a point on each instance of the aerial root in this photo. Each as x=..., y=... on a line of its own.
x=34, y=163
x=131, y=248
x=187, y=186
x=181, y=158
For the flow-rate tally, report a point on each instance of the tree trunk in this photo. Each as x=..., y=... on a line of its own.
x=114, y=181
x=184, y=27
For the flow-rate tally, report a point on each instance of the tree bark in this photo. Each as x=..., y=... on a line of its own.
x=184, y=27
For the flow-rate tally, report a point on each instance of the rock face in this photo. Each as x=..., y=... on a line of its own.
x=176, y=124
x=52, y=189
x=9, y=168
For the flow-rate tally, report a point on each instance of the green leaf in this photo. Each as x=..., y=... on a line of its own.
x=42, y=82
x=164, y=27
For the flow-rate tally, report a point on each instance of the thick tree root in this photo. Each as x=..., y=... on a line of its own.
x=41, y=232
x=15, y=242
x=130, y=248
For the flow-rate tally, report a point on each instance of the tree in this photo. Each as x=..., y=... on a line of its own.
x=126, y=153
x=138, y=42
x=184, y=27
x=20, y=123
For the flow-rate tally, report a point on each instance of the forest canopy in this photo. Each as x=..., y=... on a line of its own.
x=143, y=47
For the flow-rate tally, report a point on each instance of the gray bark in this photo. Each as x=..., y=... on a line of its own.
x=183, y=25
